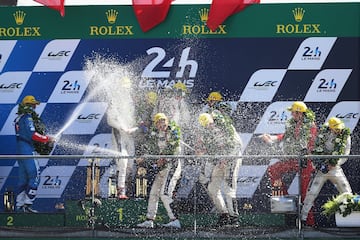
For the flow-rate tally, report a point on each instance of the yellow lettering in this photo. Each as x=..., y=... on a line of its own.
x=222, y=29
x=186, y=29
x=195, y=29
x=36, y=31
x=280, y=28
x=316, y=28
x=94, y=30
x=27, y=31
x=119, y=30
x=20, y=32
x=202, y=29
x=10, y=32
x=10, y=221
x=121, y=214
x=205, y=30
x=289, y=28
x=111, y=30
x=2, y=32
x=103, y=30
x=80, y=218
x=307, y=28
x=129, y=30
x=298, y=29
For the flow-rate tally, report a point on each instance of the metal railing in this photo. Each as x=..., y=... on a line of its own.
x=19, y=157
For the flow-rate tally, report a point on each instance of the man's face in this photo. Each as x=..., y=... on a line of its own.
x=211, y=102
x=336, y=131
x=33, y=106
x=162, y=125
x=179, y=94
x=178, y=97
x=210, y=125
x=297, y=116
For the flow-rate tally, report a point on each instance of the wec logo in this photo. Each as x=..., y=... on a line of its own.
x=249, y=179
x=265, y=84
x=59, y=54
x=89, y=117
x=11, y=86
x=347, y=115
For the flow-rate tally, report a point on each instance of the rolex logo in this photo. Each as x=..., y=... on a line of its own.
x=19, y=17
x=298, y=27
x=111, y=16
x=298, y=14
x=111, y=30
x=201, y=28
x=204, y=14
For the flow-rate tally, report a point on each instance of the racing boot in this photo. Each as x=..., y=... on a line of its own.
x=224, y=220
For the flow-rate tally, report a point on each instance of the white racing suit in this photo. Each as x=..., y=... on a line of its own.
x=123, y=142
x=166, y=178
x=334, y=175
x=163, y=188
x=221, y=174
x=177, y=110
x=222, y=183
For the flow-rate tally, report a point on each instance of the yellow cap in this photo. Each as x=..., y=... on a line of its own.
x=214, y=96
x=336, y=124
x=205, y=119
x=152, y=97
x=30, y=100
x=180, y=86
x=159, y=116
x=298, y=107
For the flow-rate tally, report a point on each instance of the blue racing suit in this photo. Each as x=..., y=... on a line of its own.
x=29, y=171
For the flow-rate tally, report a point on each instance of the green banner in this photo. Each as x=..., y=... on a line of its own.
x=183, y=21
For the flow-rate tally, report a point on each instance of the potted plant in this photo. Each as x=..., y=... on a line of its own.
x=346, y=208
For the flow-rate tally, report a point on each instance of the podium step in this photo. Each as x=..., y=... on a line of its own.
x=32, y=219
x=114, y=213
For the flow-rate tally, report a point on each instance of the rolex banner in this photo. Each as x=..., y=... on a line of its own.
x=220, y=10
x=261, y=60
